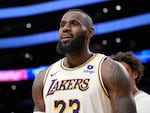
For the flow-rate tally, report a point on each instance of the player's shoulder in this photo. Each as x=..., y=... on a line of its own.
x=40, y=75
x=109, y=63
x=113, y=64
x=113, y=70
x=142, y=97
x=43, y=72
x=144, y=94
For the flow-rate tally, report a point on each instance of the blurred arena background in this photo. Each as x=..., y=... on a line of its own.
x=28, y=36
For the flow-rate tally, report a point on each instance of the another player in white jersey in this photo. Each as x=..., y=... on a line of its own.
x=136, y=70
x=82, y=81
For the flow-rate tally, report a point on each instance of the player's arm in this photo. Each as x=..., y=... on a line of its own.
x=117, y=81
x=37, y=93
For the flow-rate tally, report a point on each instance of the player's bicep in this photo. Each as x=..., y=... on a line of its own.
x=115, y=76
x=37, y=92
x=118, y=83
x=119, y=79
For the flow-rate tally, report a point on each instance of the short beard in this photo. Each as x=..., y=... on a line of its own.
x=73, y=47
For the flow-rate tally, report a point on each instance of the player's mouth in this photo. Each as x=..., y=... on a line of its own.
x=66, y=38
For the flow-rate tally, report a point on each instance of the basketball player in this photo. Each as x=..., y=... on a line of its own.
x=136, y=70
x=82, y=81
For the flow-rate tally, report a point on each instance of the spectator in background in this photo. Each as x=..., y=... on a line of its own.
x=136, y=71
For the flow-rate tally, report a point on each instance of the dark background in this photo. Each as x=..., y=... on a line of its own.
x=20, y=99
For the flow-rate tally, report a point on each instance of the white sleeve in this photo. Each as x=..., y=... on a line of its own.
x=142, y=103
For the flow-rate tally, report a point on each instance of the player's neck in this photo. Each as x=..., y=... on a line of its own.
x=76, y=60
x=135, y=90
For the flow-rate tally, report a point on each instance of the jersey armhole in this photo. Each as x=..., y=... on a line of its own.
x=100, y=77
x=46, y=74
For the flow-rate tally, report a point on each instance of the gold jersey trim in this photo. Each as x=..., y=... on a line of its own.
x=78, y=67
x=47, y=73
x=100, y=80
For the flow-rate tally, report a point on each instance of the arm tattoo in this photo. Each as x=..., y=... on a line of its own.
x=119, y=78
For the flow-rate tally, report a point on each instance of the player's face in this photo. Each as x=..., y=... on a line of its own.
x=73, y=33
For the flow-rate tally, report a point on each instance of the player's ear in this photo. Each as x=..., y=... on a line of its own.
x=135, y=74
x=91, y=32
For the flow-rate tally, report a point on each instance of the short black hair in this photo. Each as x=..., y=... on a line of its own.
x=88, y=18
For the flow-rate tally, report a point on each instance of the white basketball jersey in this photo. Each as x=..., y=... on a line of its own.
x=76, y=90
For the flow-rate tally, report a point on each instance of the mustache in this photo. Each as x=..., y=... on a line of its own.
x=64, y=35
